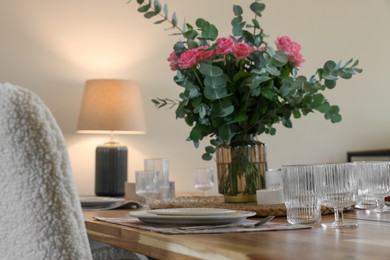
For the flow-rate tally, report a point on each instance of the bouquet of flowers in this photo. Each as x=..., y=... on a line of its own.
x=240, y=85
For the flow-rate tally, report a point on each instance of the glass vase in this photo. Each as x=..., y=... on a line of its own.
x=241, y=167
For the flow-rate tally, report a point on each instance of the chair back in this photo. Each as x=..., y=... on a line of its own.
x=40, y=212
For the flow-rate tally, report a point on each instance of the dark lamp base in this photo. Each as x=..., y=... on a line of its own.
x=111, y=170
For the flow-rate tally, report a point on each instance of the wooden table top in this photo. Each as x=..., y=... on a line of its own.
x=369, y=241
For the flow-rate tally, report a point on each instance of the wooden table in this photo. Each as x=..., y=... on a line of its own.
x=371, y=240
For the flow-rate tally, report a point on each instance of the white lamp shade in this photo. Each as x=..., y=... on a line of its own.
x=111, y=106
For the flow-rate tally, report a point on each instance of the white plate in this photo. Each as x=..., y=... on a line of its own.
x=91, y=201
x=151, y=218
x=191, y=211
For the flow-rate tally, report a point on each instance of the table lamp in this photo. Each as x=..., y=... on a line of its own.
x=111, y=106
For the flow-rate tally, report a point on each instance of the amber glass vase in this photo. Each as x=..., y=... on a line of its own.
x=240, y=168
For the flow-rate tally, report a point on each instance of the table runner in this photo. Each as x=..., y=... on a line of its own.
x=175, y=230
x=277, y=210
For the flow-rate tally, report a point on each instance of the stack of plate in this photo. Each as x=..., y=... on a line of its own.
x=98, y=202
x=192, y=216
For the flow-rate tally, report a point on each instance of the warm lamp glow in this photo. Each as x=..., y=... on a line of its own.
x=111, y=106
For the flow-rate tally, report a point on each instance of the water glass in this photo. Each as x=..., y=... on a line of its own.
x=364, y=200
x=337, y=185
x=204, y=179
x=162, y=166
x=300, y=194
x=375, y=178
x=147, y=185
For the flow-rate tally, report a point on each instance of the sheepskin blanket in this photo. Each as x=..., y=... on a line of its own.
x=40, y=212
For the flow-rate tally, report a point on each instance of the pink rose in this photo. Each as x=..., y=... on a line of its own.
x=188, y=58
x=172, y=61
x=225, y=45
x=291, y=48
x=204, y=54
x=242, y=50
x=262, y=48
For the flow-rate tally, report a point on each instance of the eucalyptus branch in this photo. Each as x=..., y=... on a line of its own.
x=200, y=82
x=164, y=102
x=150, y=11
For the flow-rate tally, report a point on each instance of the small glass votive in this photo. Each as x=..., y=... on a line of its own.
x=269, y=196
x=273, y=179
x=300, y=196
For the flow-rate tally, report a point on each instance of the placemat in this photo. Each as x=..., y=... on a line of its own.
x=175, y=230
x=277, y=210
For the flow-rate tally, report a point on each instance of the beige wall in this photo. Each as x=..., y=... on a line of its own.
x=53, y=46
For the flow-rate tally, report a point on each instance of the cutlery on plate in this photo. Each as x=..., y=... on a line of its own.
x=240, y=224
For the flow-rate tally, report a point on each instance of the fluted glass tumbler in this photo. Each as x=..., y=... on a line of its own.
x=375, y=178
x=338, y=189
x=162, y=166
x=147, y=185
x=300, y=195
x=204, y=179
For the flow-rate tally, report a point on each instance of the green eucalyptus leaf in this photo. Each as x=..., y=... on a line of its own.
x=227, y=132
x=222, y=107
x=210, y=70
x=202, y=23
x=261, y=79
x=150, y=14
x=196, y=133
x=196, y=143
x=272, y=131
x=273, y=70
x=268, y=92
x=201, y=110
x=237, y=26
x=345, y=73
x=207, y=157
x=160, y=21
x=286, y=122
x=174, y=19
x=257, y=8
x=279, y=59
x=241, y=117
x=192, y=44
x=335, y=118
x=237, y=10
x=270, y=51
x=209, y=31
x=157, y=6
x=215, y=88
x=330, y=83
x=190, y=34
x=237, y=30
x=334, y=110
x=210, y=149
x=285, y=90
x=241, y=74
x=140, y=2
x=297, y=114
x=165, y=9
x=324, y=107
x=144, y=8
x=256, y=24
x=318, y=99
x=329, y=66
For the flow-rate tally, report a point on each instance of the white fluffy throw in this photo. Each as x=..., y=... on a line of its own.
x=40, y=213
